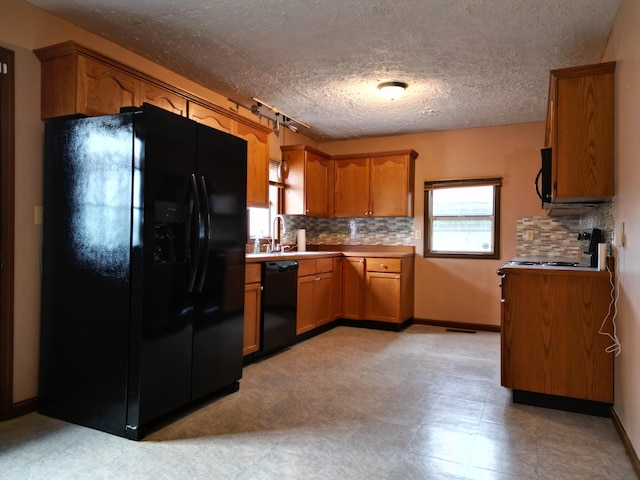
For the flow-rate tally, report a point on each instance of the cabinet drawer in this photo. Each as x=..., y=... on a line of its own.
x=324, y=265
x=388, y=265
x=252, y=273
x=306, y=267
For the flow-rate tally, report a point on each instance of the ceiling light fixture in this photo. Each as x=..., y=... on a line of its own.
x=287, y=119
x=392, y=90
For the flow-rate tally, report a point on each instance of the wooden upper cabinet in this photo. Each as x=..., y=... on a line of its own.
x=163, y=98
x=78, y=80
x=257, y=163
x=391, y=185
x=579, y=130
x=103, y=89
x=210, y=117
x=307, y=188
x=74, y=83
x=375, y=184
x=352, y=187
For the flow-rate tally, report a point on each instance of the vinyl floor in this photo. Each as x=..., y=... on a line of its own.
x=351, y=404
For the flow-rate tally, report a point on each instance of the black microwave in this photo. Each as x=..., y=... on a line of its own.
x=543, y=179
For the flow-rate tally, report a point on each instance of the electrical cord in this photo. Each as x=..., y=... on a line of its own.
x=615, y=347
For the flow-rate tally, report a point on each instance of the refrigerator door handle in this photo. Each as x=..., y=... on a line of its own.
x=207, y=233
x=196, y=255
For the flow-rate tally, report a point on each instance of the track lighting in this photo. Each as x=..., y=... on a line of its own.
x=286, y=119
x=276, y=129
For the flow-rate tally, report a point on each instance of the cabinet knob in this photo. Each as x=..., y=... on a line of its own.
x=382, y=265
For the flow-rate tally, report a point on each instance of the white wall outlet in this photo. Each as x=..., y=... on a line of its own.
x=418, y=234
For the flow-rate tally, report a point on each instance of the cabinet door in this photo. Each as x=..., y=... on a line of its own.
x=210, y=117
x=583, y=165
x=382, y=302
x=305, y=309
x=251, y=343
x=351, y=188
x=163, y=98
x=316, y=184
x=336, y=289
x=353, y=288
x=103, y=90
x=389, y=186
x=257, y=165
x=323, y=311
x=551, y=341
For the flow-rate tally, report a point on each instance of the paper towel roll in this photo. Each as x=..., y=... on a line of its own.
x=602, y=256
x=302, y=241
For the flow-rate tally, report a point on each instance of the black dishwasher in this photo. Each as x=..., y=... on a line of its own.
x=279, y=304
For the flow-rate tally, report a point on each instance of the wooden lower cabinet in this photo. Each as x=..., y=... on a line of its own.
x=252, y=308
x=336, y=285
x=378, y=289
x=382, y=297
x=353, y=288
x=315, y=291
x=550, y=342
x=389, y=289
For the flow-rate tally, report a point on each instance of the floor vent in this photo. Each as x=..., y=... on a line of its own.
x=460, y=330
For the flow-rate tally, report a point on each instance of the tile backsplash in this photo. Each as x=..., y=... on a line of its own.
x=557, y=236
x=350, y=231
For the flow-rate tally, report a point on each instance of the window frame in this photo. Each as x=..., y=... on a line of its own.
x=431, y=185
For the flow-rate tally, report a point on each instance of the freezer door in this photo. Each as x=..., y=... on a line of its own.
x=219, y=305
x=165, y=230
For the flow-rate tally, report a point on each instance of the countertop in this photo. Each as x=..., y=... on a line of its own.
x=550, y=268
x=270, y=257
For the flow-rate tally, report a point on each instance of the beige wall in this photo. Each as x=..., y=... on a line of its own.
x=624, y=47
x=454, y=289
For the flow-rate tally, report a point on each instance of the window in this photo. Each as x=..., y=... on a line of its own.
x=462, y=218
x=260, y=223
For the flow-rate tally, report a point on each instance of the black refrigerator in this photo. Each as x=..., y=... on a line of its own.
x=143, y=248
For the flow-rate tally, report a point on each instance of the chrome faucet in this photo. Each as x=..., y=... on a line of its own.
x=273, y=231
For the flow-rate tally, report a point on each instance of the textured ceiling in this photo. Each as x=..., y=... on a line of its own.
x=468, y=63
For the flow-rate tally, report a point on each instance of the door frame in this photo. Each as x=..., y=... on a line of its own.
x=7, y=223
